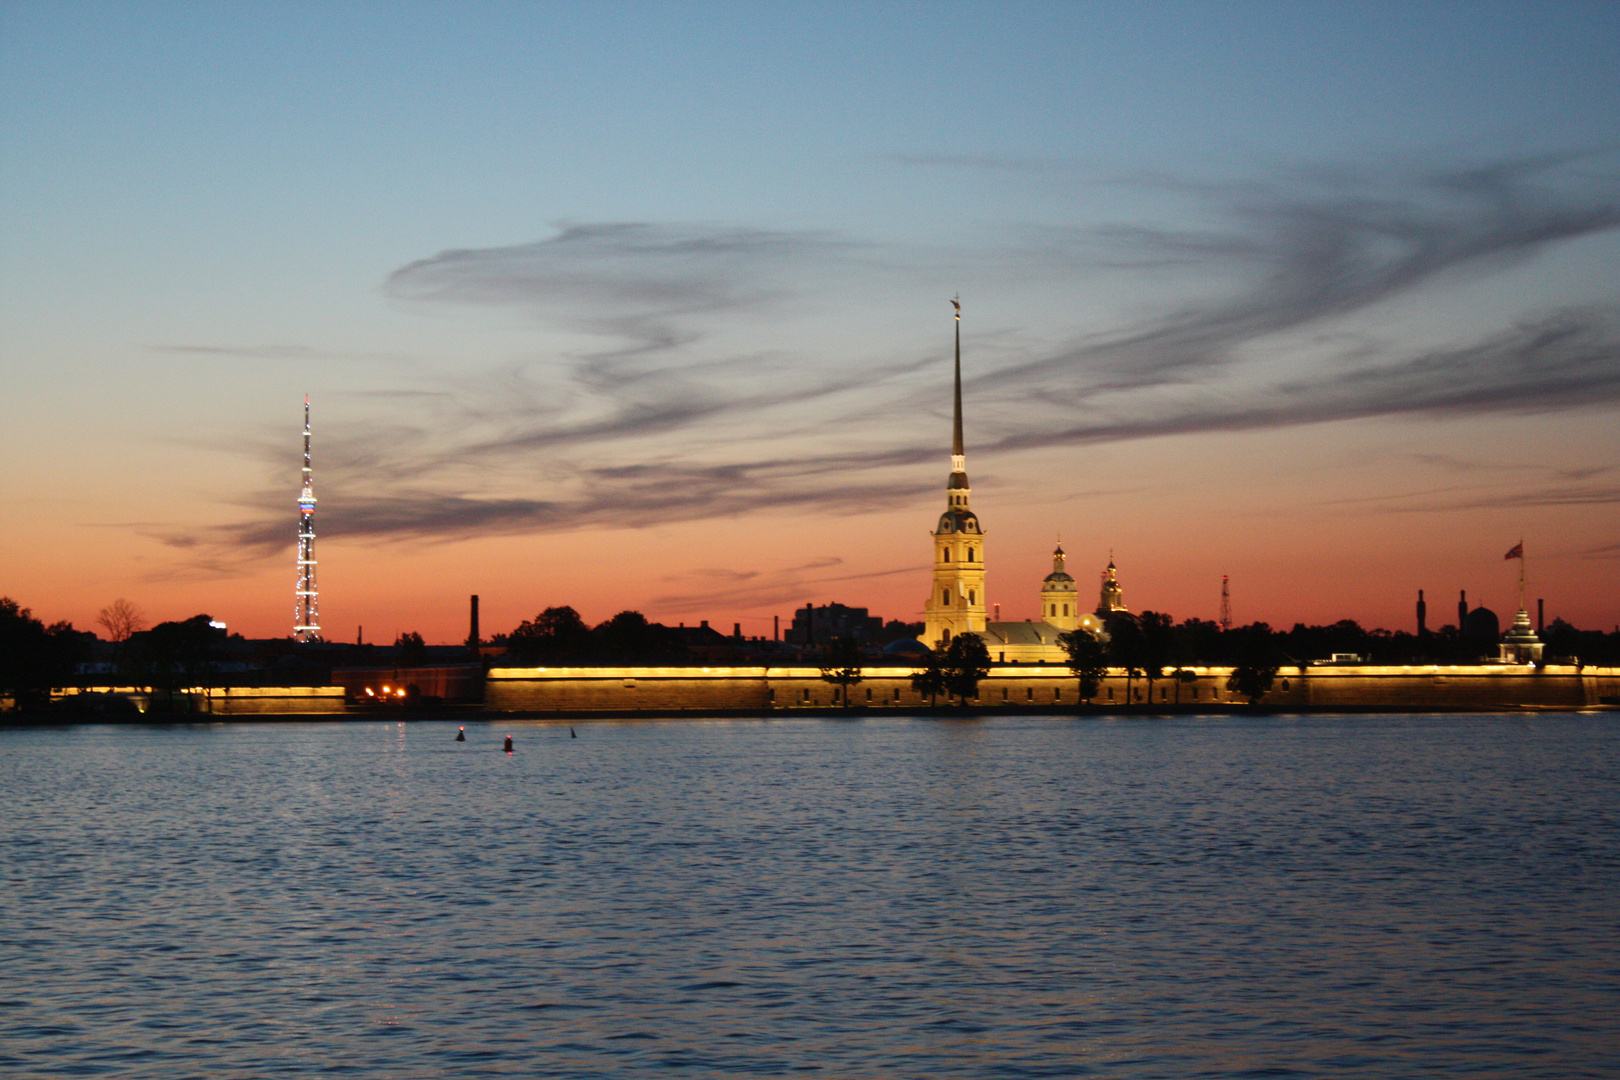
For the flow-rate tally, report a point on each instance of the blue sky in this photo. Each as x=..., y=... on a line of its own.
x=595, y=284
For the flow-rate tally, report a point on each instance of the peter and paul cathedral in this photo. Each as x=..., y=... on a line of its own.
x=957, y=603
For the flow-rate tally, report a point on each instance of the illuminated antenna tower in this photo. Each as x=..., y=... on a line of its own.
x=306, y=611
x=1226, y=605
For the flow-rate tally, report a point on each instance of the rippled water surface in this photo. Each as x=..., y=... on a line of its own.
x=1344, y=896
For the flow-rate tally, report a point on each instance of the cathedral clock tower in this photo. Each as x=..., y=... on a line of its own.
x=956, y=606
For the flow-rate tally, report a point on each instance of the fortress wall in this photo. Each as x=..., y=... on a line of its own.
x=269, y=700
x=232, y=701
x=448, y=682
x=786, y=689
x=783, y=689
x=1602, y=684
x=1480, y=687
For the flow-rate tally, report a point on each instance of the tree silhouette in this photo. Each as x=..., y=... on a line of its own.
x=557, y=635
x=1257, y=662
x=966, y=662
x=412, y=649
x=841, y=661
x=1155, y=627
x=121, y=619
x=929, y=678
x=628, y=638
x=1127, y=649
x=175, y=656
x=1087, y=660
x=33, y=657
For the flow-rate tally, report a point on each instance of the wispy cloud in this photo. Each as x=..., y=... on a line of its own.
x=635, y=281
x=988, y=162
x=806, y=583
x=1569, y=359
x=267, y=351
x=701, y=390
x=1304, y=254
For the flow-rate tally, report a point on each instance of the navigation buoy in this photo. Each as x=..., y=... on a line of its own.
x=461, y=735
x=509, y=744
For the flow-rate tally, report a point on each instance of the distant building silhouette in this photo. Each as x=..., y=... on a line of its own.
x=818, y=625
x=1482, y=626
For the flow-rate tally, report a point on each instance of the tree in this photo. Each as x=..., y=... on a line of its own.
x=173, y=656
x=1155, y=647
x=1257, y=662
x=557, y=635
x=929, y=678
x=966, y=662
x=1182, y=677
x=895, y=630
x=1127, y=649
x=121, y=619
x=629, y=638
x=841, y=661
x=1086, y=660
x=33, y=657
x=412, y=649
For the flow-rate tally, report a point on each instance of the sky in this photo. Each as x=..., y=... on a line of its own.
x=646, y=306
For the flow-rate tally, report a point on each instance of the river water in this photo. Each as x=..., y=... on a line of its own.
x=1251, y=896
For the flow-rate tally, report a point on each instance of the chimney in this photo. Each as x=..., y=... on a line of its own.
x=473, y=640
x=776, y=628
x=1462, y=609
x=736, y=630
x=1541, y=615
x=1423, y=615
x=360, y=635
x=704, y=625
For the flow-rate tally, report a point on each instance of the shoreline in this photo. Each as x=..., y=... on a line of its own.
x=474, y=714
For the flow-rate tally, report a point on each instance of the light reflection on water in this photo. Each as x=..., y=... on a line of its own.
x=1352, y=896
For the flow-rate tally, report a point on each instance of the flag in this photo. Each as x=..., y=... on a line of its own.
x=1516, y=552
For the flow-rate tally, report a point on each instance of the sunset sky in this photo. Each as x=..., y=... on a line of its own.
x=647, y=306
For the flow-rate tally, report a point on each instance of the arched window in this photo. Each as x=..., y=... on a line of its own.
x=945, y=597
x=970, y=553
x=1065, y=609
x=972, y=597
x=947, y=554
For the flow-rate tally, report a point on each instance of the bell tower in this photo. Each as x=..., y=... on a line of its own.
x=1111, y=597
x=956, y=605
x=1060, y=602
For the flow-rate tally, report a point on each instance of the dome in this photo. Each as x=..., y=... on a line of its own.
x=905, y=647
x=958, y=482
x=960, y=521
x=1482, y=623
x=1059, y=578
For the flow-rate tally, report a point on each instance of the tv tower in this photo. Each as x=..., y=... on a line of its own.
x=306, y=616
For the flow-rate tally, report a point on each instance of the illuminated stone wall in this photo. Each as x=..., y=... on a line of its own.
x=269, y=700
x=786, y=689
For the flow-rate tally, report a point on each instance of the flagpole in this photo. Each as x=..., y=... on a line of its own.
x=1521, y=573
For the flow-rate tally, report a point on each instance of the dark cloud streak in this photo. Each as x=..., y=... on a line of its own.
x=1298, y=254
